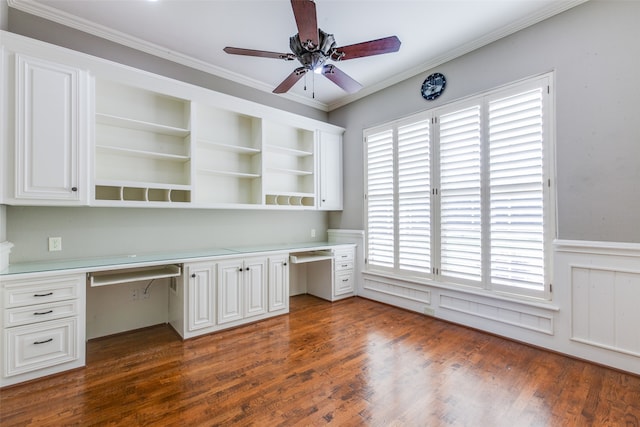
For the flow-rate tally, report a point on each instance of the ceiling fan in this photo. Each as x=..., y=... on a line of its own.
x=313, y=47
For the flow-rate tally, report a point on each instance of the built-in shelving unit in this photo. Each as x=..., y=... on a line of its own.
x=143, y=145
x=229, y=157
x=290, y=172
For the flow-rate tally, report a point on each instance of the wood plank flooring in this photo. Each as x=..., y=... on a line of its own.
x=350, y=363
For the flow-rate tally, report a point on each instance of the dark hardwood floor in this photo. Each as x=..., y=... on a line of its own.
x=353, y=362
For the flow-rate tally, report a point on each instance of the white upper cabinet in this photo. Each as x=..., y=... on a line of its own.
x=330, y=167
x=48, y=132
x=95, y=132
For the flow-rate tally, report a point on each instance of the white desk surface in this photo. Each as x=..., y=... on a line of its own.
x=138, y=260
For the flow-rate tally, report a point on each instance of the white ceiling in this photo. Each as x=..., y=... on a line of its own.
x=194, y=32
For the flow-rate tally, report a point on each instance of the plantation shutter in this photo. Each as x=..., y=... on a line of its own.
x=460, y=195
x=414, y=197
x=516, y=191
x=380, y=199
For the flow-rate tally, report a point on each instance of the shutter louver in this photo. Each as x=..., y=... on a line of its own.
x=414, y=197
x=460, y=195
x=516, y=191
x=380, y=217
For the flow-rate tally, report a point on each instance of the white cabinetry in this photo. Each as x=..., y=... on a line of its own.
x=49, y=133
x=43, y=326
x=228, y=157
x=328, y=277
x=201, y=294
x=242, y=289
x=279, y=283
x=330, y=171
x=137, y=139
x=142, y=146
x=290, y=174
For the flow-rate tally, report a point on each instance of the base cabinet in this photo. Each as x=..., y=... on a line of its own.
x=332, y=283
x=201, y=292
x=43, y=326
x=243, y=289
x=279, y=283
x=229, y=292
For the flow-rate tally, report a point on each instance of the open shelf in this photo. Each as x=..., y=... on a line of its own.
x=141, y=192
x=143, y=145
x=129, y=123
x=229, y=173
x=228, y=147
x=143, y=153
x=302, y=200
x=289, y=151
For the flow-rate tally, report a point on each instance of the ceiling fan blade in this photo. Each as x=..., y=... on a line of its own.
x=370, y=48
x=307, y=22
x=343, y=80
x=259, y=53
x=290, y=80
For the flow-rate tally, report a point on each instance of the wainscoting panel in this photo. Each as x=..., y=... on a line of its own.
x=605, y=308
x=496, y=311
x=405, y=291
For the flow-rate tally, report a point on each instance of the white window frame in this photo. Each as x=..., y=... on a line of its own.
x=434, y=276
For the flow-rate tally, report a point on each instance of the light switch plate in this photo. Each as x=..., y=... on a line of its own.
x=55, y=244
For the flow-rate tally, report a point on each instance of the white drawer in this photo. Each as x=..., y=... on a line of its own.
x=343, y=255
x=343, y=265
x=344, y=283
x=38, y=346
x=19, y=293
x=39, y=313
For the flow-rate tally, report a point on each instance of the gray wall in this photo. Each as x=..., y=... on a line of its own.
x=93, y=232
x=594, y=51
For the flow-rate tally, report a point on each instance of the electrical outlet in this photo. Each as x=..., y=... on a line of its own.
x=429, y=311
x=55, y=244
x=313, y=232
x=134, y=294
x=146, y=295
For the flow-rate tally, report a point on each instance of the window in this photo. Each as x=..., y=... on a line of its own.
x=462, y=194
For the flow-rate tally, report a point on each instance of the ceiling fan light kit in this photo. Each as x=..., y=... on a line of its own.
x=313, y=47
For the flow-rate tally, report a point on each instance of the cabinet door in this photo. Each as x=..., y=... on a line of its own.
x=330, y=149
x=255, y=285
x=279, y=283
x=51, y=132
x=201, y=294
x=230, y=275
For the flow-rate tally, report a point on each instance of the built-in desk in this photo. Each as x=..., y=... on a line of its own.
x=48, y=309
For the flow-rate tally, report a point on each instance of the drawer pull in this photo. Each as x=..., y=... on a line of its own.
x=43, y=342
x=43, y=295
x=345, y=265
x=43, y=313
x=345, y=280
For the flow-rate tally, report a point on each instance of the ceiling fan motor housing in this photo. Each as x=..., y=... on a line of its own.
x=312, y=57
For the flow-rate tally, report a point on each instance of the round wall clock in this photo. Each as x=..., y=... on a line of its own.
x=433, y=86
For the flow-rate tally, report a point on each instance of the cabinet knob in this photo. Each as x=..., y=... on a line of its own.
x=193, y=275
x=285, y=264
x=74, y=188
x=240, y=269
x=247, y=268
